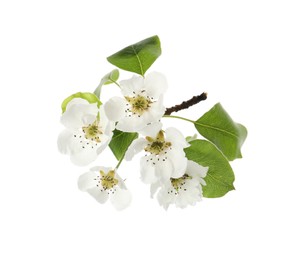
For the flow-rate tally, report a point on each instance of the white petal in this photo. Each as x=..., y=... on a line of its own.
x=178, y=160
x=155, y=84
x=107, y=125
x=120, y=199
x=154, y=188
x=104, y=142
x=131, y=85
x=100, y=196
x=130, y=124
x=165, y=198
x=157, y=109
x=188, y=197
x=175, y=136
x=63, y=141
x=196, y=170
x=136, y=146
x=148, y=118
x=77, y=115
x=115, y=108
x=152, y=129
x=87, y=181
x=84, y=157
x=75, y=101
x=164, y=169
x=103, y=122
x=100, y=168
x=147, y=170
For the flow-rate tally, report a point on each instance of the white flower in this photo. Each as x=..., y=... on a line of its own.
x=87, y=133
x=183, y=191
x=164, y=158
x=104, y=183
x=142, y=104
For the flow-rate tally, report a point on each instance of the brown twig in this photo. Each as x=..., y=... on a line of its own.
x=186, y=104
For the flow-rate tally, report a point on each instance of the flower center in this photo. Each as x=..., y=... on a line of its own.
x=108, y=180
x=178, y=183
x=139, y=104
x=158, y=145
x=93, y=132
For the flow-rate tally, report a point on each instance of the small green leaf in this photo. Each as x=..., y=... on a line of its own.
x=220, y=176
x=109, y=78
x=120, y=142
x=191, y=138
x=137, y=57
x=218, y=127
x=90, y=97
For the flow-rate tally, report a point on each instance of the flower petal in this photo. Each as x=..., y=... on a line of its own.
x=154, y=188
x=155, y=84
x=84, y=157
x=196, y=170
x=135, y=147
x=164, y=169
x=115, y=108
x=147, y=170
x=157, y=109
x=87, y=180
x=100, y=168
x=100, y=196
x=177, y=157
x=130, y=124
x=131, y=85
x=78, y=114
x=76, y=101
x=176, y=137
x=165, y=197
x=121, y=198
x=64, y=139
x=151, y=129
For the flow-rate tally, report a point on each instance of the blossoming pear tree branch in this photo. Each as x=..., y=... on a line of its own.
x=178, y=170
x=186, y=104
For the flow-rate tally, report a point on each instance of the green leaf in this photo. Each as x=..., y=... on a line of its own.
x=120, y=142
x=218, y=127
x=220, y=176
x=90, y=97
x=109, y=78
x=191, y=138
x=137, y=57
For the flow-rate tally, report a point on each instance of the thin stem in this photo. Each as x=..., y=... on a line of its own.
x=179, y=117
x=120, y=162
x=97, y=91
x=115, y=82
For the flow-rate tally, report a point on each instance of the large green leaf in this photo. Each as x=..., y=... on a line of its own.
x=137, y=57
x=109, y=78
x=90, y=97
x=218, y=127
x=220, y=176
x=120, y=142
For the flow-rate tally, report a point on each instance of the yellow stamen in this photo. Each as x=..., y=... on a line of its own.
x=108, y=180
x=139, y=104
x=93, y=132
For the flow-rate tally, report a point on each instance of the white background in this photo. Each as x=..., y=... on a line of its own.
x=245, y=54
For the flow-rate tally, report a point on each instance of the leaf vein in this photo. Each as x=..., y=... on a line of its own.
x=139, y=61
x=217, y=129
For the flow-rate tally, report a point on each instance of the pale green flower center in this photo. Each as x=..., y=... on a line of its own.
x=179, y=182
x=108, y=181
x=139, y=104
x=93, y=132
x=157, y=145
